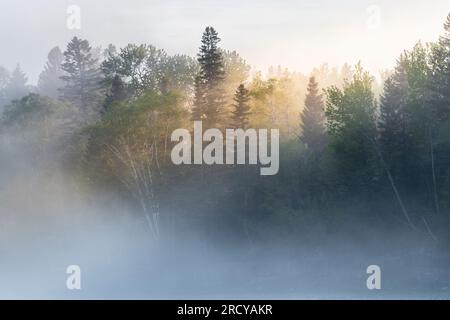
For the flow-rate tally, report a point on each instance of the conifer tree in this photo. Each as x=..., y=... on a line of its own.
x=241, y=108
x=313, y=118
x=50, y=79
x=17, y=85
x=82, y=77
x=212, y=104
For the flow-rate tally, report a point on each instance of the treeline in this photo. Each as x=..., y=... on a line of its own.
x=348, y=156
x=398, y=148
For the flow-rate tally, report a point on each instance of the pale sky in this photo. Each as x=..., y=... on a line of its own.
x=298, y=34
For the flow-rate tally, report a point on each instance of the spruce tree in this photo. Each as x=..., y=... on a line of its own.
x=82, y=77
x=50, y=79
x=313, y=118
x=241, y=108
x=17, y=85
x=211, y=78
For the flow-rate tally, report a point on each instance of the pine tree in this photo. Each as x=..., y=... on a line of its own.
x=313, y=118
x=50, y=81
x=241, y=108
x=211, y=78
x=17, y=85
x=82, y=77
x=210, y=57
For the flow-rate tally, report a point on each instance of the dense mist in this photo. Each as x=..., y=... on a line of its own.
x=48, y=224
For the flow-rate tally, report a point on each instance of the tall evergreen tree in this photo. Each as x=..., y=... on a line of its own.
x=17, y=85
x=50, y=80
x=211, y=77
x=313, y=118
x=210, y=57
x=82, y=77
x=241, y=108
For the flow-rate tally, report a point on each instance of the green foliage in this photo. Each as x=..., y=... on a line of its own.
x=134, y=132
x=351, y=125
x=117, y=93
x=274, y=104
x=29, y=111
x=144, y=67
x=36, y=124
x=405, y=117
x=236, y=70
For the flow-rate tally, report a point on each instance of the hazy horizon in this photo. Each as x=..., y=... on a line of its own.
x=302, y=34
